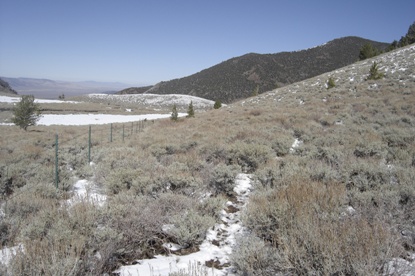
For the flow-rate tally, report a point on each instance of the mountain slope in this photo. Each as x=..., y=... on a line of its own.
x=397, y=68
x=5, y=88
x=240, y=77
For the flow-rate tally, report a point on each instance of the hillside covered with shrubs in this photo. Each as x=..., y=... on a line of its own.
x=339, y=202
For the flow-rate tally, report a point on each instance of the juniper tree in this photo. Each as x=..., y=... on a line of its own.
x=373, y=73
x=330, y=83
x=217, y=104
x=368, y=51
x=256, y=91
x=174, y=114
x=26, y=112
x=190, y=110
x=411, y=33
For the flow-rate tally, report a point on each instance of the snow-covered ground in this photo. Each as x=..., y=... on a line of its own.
x=85, y=119
x=150, y=100
x=295, y=145
x=7, y=253
x=154, y=100
x=97, y=119
x=7, y=99
x=94, y=119
x=85, y=190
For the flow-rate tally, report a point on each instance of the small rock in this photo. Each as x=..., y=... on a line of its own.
x=213, y=263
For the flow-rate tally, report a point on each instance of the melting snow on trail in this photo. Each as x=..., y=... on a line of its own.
x=216, y=248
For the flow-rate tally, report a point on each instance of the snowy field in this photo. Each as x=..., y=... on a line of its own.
x=96, y=119
x=85, y=119
x=7, y=99
x=154, y=100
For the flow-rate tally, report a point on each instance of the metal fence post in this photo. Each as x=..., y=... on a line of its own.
x=111, y=133
x=56, y=161
x=89, y=146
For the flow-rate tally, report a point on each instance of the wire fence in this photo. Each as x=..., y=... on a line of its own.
x=80, y=146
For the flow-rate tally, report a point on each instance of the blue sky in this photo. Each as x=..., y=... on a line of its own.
x=144, y=42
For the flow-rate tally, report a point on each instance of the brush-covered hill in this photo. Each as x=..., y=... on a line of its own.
x=332, y=169
x=5, y=88
x=250, y=74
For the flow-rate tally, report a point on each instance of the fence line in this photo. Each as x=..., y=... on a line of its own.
x=123, y=131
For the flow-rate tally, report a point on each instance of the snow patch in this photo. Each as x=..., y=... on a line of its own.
x=399, y=266
x=84, y=190
x=172, y=246
x=295, y=145
x=7, y=253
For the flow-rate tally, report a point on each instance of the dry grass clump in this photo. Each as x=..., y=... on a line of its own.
x=254, y=256
x=168, y=218
x=54, y=238
x=311, y=232
x=48, y=257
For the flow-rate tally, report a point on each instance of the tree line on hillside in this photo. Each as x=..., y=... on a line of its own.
x=369, y=51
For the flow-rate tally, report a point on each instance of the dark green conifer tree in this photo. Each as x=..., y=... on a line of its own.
x=217, y=104
x=330, y=83
x=374, y=73
x=368, y=51
x=174, y=114
x=190, y=110
x=26, y=112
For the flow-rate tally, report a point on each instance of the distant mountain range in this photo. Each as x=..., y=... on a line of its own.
x=250, y=74
x=45, y=88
